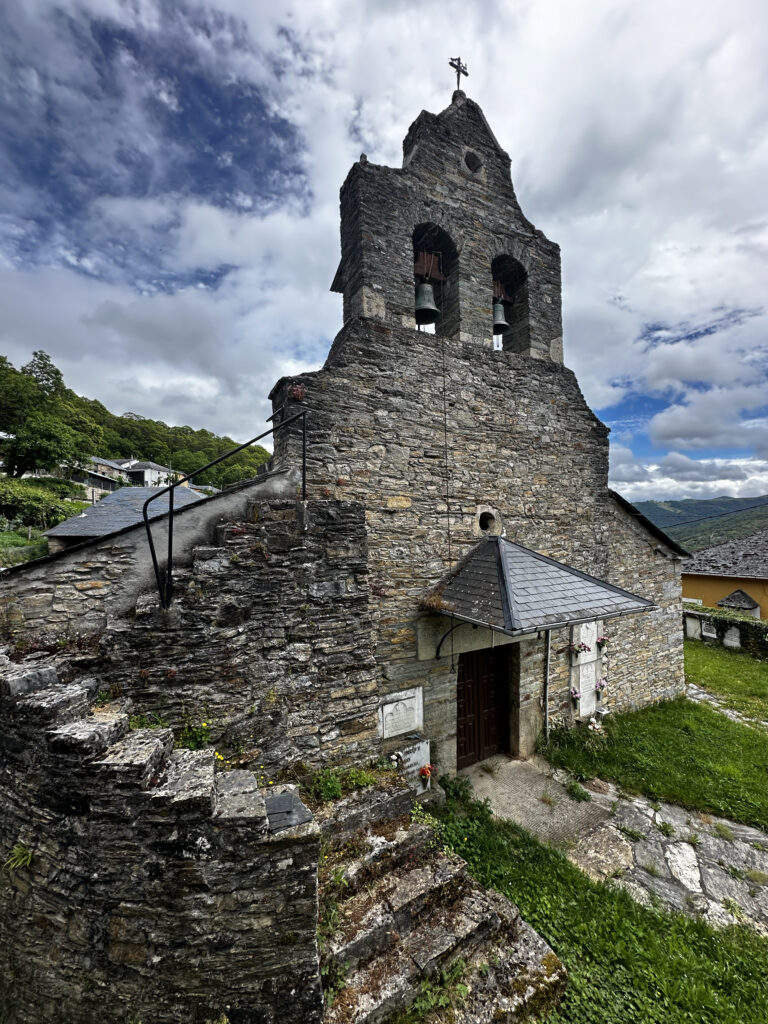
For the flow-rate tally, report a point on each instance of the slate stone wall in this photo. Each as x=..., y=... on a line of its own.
x=157, y=890
x=382, y=206
x=268, y=640
x=520, y=440
x=76, y=591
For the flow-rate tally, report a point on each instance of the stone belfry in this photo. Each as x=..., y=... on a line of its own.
x=449, y=217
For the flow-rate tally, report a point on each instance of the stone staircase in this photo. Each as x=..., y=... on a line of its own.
x=136, y=851
x=398, y=914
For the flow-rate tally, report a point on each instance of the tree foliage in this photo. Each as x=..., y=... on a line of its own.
x=50, y=426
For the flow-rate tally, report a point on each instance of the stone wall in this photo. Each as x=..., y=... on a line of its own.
x=78, y=589
x=156, y=890
x=268, y=640
x=478, y=211
x=713, y=625
x=399, y=419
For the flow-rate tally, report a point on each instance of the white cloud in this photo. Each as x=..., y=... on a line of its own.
x=638, y=140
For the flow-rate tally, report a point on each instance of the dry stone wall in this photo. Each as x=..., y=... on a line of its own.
x=149, y=888
x=76, y=591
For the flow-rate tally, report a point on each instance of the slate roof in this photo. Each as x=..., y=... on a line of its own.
x=120, y=509
x=518, y=591
x=738, y=599
x=106, y=462
x=747, y=556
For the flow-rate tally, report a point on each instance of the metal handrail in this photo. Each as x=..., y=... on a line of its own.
x=165, y=588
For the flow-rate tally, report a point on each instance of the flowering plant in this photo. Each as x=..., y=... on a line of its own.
x=603, y=641
x=579, y=648
x=600, y=685
x=426, y=771
x=575, y=694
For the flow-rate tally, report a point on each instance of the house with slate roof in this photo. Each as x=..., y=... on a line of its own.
x=115, y=511
x=732, y=575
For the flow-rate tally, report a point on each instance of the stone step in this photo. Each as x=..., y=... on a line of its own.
x=59, y=705
x=391, y=908
x=188, y=785
x=139, y=758
x=27, y=679
x=389, y=983
x=384, y=853
x=89, y=736
x=208, y=561
x=511, y=982
x=362, y=810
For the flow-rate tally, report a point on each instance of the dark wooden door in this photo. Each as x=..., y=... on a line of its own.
x=482, y=705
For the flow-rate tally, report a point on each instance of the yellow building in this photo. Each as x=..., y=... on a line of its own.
x=733, y=575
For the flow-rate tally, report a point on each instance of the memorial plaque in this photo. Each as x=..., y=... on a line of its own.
x=414, y=758
x=587, y=680
x=401, y=712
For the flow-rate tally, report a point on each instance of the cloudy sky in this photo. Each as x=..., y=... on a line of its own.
x=169, y=198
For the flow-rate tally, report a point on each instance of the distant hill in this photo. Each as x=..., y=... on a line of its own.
x=699, y=523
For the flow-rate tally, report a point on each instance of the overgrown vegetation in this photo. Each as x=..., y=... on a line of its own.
x=676, y=751
x=194, y=736
x=19, y=858
x=737, y=677
x=20, y=546
x=23, y=502
x=626, y=963
x=329, y=784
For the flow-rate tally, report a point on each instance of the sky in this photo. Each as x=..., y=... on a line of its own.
x=169, y=177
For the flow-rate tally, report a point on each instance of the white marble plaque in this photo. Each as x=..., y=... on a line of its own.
x=587, y=680
x=401, y=712
x=414, y=758
x=707, y=629
x=588, y=635
x=732, y=637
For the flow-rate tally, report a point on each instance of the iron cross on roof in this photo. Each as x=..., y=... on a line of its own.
x=459, y=68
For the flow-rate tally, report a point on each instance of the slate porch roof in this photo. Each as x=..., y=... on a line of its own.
x=515, y=590
x=738, y=599
x=120, y=509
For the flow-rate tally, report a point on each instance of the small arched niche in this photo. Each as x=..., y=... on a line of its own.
x=436, y=262
x=510, y=283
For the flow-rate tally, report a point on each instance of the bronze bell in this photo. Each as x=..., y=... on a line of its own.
x=426, y=310
x=499, y=318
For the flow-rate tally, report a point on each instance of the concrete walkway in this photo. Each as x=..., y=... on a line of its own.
x=661, y=854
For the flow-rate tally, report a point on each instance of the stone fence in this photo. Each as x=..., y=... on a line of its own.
x=719, y=627
x=139, y=884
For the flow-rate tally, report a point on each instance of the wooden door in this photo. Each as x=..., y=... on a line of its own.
x=481, y=705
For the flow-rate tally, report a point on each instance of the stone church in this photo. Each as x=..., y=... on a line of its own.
x=507, y=577
x=431, y=570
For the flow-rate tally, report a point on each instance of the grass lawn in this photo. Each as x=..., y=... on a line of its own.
x=627, y=964
x=737, y=677
x=16, y=546
x=678, y=751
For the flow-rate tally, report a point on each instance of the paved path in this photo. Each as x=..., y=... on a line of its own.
x=661, y=854
x=701, y=696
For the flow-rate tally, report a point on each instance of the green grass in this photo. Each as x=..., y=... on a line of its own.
x=737, y=677
x=627, y=964
x=677, y=751
x=16, y=546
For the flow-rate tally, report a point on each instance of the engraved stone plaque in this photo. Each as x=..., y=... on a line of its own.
x=401, y=712
x=587, y=680
x=414, y=757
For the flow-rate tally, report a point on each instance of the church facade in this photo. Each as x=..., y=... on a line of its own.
x=511, y=588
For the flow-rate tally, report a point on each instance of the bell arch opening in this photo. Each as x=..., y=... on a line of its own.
x=436, y=263
x=510, y=284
